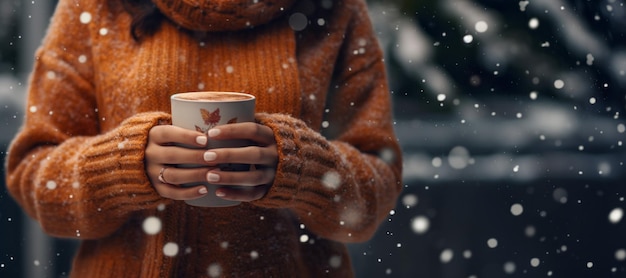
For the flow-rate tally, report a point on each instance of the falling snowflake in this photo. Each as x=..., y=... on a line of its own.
x=85, y=17
x=409, y=200
x=51, y=74
x=534, y=262
x=620, y=254
x=481, y=26
x=335, y=261
x=298, y=21
x=170, y=249
x=615, y=216
x=51, y=185
x=533, y=23
x=331, y=180
x=214, y=270
x=387, y=155
x=152, y=225
x=446, y=256
x=517, y=209
x=509, y=267
x=420, y=224
x=492, y=243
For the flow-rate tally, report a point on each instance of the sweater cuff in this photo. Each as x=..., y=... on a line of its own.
x=283, y=191
x=114, y=166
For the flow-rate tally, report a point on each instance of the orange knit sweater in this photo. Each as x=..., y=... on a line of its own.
x=77, y=164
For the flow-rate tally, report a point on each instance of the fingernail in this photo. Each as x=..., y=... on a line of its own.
x=201, y=140
x=203, y=191
x=214, y=132
x=209, y=156
x=220, y=193
x=212, y=177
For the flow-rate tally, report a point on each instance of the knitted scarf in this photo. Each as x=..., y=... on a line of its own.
x=222, y=15
x=258, y=59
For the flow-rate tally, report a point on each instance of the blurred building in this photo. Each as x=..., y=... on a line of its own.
x=511, y=118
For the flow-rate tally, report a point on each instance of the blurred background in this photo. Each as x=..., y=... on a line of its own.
x=511, y=119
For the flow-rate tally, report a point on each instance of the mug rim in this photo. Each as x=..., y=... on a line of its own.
x=178, y=98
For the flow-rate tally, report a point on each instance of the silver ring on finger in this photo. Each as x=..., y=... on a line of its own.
x=161, y=178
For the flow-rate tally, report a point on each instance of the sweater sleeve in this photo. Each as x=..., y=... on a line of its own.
x=343, y=182
x=73, y=178
x=82, y=186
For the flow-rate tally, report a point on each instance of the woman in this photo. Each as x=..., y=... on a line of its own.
x=89, y=161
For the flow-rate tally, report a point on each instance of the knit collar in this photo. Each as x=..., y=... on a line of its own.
x=222, y=15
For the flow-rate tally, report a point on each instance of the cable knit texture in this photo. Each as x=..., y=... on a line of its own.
x=77, y=165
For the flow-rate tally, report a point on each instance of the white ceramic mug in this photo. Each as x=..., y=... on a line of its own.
x=202, y=111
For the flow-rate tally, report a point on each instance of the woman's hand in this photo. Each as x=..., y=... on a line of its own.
x=262, y=156
x=164, y=154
